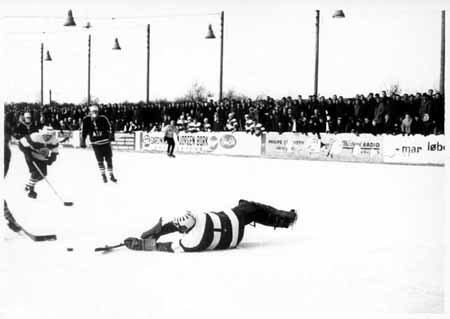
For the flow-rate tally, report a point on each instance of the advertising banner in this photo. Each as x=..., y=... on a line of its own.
x=347, y=147
x=124, y=141
x=414, y=149
x=68, y=138
x=225, y=143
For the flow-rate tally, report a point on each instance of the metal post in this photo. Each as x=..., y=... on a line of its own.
x=221, y=54
x=316, y=68
x=148, y=64
x=50, y=97
x=42, y=74
x=442, y=77
x=89, y=72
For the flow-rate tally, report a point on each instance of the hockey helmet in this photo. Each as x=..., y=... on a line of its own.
x=93, y=110
x=47, y=132
x=184, y=223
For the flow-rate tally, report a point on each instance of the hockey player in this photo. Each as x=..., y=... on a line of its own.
x=100, y=133
x=7, y=158
x=25, y=127
x=169, y=132
x=40, y=149
x=213, y=230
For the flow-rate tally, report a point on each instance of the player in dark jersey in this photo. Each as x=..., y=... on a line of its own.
x=40, y=149
x=213, y=230
x=25, y=127
x=100, y=133
x=6, y=159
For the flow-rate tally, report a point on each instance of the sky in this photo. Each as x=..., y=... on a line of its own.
x=268, y=48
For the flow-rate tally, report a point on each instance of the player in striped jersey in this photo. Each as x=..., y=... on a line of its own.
x=40, y=149
x=100, y=133
x=249, y=124
x=213, y=230
x=232, y=123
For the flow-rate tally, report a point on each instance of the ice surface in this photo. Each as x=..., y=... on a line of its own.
x=369, y=239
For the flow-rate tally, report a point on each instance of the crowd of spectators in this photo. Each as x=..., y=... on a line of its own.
x=421, y=113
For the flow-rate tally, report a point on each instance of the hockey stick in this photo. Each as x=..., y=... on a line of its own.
x=64, y=139
x=38, y=237
x=15, y=227
x=56, y=193
x=109, y=248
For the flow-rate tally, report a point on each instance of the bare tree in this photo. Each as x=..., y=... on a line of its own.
x=198, y=92
x=232, y=94
x=394, y=88
x=94, y=100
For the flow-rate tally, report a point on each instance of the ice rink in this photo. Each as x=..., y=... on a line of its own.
x=369, y=238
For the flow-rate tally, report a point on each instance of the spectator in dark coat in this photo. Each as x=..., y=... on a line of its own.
x=425, y=106
x=417, y=125
x=341, y=109
x=375, y=128
x=378, y=113
x=438, y=112
x=427, y=125
x=217, y=125
x=371, y=105
x=340, y=126
x=387, y=126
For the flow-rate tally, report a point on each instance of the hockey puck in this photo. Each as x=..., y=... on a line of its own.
x=69, y=249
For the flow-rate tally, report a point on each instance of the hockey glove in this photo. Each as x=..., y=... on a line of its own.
x=154, y=231
x=83, y=143
x=52, y=158
x=140, y=244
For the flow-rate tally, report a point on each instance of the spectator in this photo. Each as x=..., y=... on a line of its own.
x=340, y=126
x=282, y=115
x=375, y=128
x=438, y=112
x=427, y=125
x=378, y=113
x=206, y=127
x=217, y=125
x=388, y=125
x=425, y=106
x=417, y=125
x=406, y=124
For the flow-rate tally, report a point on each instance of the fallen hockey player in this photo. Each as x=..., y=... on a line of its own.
x=213, y=230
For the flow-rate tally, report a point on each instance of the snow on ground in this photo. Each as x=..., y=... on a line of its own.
x=369, y=239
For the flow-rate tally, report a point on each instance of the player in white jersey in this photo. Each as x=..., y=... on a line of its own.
x=212, y=230
x=40, y=150
x=169, y=132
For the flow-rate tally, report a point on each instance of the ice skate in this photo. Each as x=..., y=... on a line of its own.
x=112, y=178
x=31, y=192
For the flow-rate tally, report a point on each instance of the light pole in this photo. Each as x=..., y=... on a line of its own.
x=47, y=58
x=89, y=72
x=442, y=75
x=337, y=14
x=148, y=64
x=70, y=22
x=210, y=35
